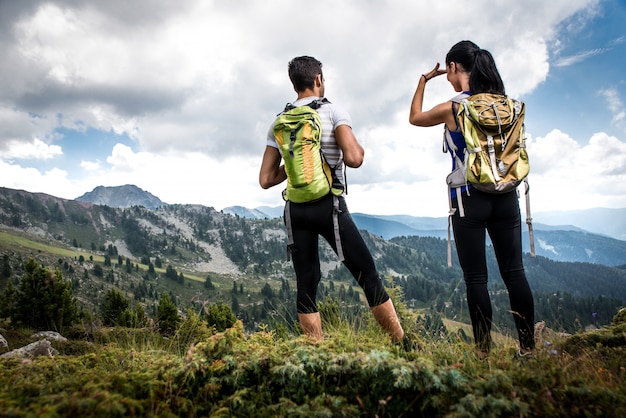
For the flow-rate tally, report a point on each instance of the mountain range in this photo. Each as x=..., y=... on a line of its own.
x=201, y=255
x=594, y=235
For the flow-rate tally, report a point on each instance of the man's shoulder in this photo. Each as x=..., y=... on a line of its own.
x=305, y=101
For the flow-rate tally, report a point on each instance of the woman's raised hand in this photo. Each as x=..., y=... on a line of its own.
x=433, y=73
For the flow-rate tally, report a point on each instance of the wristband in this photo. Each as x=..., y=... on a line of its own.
x=425, y=78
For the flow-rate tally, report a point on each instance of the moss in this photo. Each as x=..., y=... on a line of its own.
x=619, y=318
x=236, y=374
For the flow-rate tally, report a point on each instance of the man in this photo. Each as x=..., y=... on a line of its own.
x=311, y=219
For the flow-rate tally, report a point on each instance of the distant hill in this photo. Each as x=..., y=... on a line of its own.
x=188, y=244
x=606, y=221
x=574, y=236
x=567, y=239
x=121, y=197
x=244, y=212
x=271, y=211
x=559, y=243
x=603, y=221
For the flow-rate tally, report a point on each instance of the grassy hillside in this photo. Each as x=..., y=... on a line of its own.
x=199, y=256
x=355, y=371
x=263, y=366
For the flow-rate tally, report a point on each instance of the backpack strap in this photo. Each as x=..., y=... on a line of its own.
x=290, y=243
x=450, y=146
x=315, y=104
x=336, y=212
x=529, y=219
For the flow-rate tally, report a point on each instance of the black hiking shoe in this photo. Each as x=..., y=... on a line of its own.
x=523, y=355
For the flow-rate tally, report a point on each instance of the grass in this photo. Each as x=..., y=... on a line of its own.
x=13, y=241
x=355, y=371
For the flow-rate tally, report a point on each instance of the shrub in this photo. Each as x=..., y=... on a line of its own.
x=220, y=316
x=44, y=300
x=113, y=308
x=167, y=315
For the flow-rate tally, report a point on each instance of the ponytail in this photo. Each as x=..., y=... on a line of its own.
x=484, y=77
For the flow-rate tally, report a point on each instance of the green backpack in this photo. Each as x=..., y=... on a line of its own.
x=495, y=160
x=298, y=132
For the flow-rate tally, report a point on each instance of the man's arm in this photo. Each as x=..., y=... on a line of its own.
x=353, y=152
x=272, y=173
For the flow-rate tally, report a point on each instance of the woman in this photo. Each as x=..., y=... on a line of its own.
x=472, y=70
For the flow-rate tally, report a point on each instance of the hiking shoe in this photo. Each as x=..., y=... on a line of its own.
x=523, y=355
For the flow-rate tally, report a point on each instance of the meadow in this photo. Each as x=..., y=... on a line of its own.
x=355, y=371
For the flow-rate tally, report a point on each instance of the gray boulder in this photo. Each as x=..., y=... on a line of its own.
x=38, y=348
x=49, y=335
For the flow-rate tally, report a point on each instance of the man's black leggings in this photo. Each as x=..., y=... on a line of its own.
x=499, y=215
x=308, y=222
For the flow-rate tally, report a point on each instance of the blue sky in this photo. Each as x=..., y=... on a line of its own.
x=587, y=64
x=176, y=97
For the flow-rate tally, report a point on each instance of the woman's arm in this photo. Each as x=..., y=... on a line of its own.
x=441, y=113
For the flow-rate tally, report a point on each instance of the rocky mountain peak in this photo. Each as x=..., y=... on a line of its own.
x=121, y=197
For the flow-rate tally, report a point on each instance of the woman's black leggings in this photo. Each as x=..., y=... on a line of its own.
x=308, y=221
x=499, y=215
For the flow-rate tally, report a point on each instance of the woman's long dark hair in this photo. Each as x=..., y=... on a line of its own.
x=484, y=75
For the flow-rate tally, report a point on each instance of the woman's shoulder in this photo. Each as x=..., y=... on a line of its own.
x=459, y=97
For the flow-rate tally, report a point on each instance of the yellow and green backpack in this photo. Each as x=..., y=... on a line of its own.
x=493, y=128
x=495, y=159
x=298, y=133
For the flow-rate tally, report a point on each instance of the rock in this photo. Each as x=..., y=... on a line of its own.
x=49, y=335
x=38, y=348
x=543, y=334
x=3, y=342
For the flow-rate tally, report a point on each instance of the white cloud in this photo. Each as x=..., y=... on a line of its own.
x=90, y=165
x=37, y=149
x=195, y=84
x=53, y=182
x=579, y=57
x=565, y=175
x=180, y=78
x=615, y=104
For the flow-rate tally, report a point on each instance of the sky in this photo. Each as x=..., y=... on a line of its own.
x=177, y=97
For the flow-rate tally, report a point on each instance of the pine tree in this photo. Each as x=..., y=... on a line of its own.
x=220, y=316
x=167, y=315
x=5, y=267
x=113, y=308
x=44, y=300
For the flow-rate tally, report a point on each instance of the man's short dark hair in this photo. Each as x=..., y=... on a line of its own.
x=302, y=72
